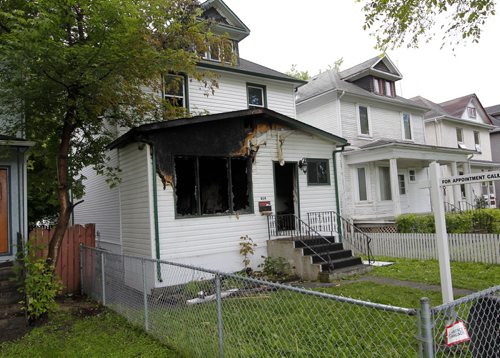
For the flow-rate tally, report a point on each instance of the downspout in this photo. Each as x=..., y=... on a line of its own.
x=155, y=216
x=337, y=197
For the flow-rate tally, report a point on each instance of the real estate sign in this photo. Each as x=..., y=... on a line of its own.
x=471, y=178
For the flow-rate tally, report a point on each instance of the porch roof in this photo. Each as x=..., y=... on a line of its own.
x=484, y=164
x=15, y=142
x=390, y=149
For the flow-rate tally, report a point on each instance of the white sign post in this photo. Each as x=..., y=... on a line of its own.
x=436, y=183
x=441, y=234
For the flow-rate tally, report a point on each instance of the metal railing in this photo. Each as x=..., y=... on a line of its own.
x=205, y=313
x=331, y=221
x=290, y=225
x=450, y=208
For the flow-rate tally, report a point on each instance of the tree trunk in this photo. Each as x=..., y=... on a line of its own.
x=65, y=207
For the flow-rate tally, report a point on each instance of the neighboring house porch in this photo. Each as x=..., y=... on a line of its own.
x=13, y=199
x=387, y=178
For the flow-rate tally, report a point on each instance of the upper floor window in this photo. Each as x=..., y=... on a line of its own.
x=363, y=121
x=256, y=95
x=460, y=138
x=407, y=135
x=318, y=172
x=471, y=112
x=214, y=52
x=477, y=142
x=384, y=87
x=174, y=90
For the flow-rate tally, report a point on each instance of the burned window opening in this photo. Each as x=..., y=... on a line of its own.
x=212, y=186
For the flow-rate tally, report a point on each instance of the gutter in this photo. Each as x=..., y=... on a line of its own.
x=155, y=215
x=335, y=181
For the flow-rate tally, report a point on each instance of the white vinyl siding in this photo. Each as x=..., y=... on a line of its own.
x=321, y=113
x=231, y=95
x=101, y=206
x=135, y=198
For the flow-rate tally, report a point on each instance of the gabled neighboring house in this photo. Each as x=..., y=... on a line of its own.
x=388, y=157
x=13, y=194
x=494, y=112
x=190, y=188
x=463, y=123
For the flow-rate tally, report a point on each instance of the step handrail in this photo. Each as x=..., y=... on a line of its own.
x=304, y=230
x=347, y=228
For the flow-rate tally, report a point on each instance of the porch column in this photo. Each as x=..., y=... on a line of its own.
x=457, y=196
x=395, y=186
x=468, y=187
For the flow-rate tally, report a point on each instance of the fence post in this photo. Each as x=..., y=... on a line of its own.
x=427, y=337
x=81, y=268
x=103, y=280
x=219, y=315
x=144, y=286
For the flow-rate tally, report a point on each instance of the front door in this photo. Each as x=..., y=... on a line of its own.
x=286, y=194
x=4, y=215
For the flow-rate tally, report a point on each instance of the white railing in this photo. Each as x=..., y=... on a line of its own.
x=483, y=248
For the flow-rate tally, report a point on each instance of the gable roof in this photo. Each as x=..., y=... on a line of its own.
x=134, y=135
x=251, y=68
x=453, y=108
x=379, y=66
x=331, y=81
x=226, y=19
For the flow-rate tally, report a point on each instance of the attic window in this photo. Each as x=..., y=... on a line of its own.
x=384, y=87
x=471, y=112
x=212, y=186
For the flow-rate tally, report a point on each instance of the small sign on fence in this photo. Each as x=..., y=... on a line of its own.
x=456, y=333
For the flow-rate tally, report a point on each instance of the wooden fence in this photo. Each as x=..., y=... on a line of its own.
x=68, y=263
x=483, y=248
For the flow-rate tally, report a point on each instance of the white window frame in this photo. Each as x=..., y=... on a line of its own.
x=184, y=91
x=410, y=175
x=263, y=90
x=403, y=133
x=461, y=144
x=376, y=86
x=404, y=183
x=471, y=112
x=358, y=121
x=367, y=182
x=477, y=145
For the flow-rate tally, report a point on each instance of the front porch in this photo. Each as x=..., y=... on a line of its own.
x=385, y=179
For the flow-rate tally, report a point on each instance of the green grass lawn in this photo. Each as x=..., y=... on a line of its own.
x=473, y=276
x=103, y=335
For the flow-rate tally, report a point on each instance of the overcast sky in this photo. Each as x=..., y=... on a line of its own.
x=315, y=33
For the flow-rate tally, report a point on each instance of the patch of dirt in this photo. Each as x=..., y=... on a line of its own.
x=13, y=324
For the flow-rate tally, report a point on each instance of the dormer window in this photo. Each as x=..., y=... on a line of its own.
x=214, y=52
x=383, y=87
x=471, y=112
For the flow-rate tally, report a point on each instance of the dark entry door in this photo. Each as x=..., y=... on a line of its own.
x=4, y=215
x=286, y=195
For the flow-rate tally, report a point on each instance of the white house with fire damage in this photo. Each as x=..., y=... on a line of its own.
x=191, y=187
x=381, y=173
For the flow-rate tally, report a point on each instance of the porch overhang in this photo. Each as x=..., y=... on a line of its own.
x=409, y=151
x=484, y=164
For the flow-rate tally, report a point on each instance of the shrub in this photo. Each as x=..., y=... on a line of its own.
x=276, y=268
x=479, y=221
x=39, y=286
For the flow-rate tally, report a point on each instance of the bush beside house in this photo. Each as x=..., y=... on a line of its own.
x=472, y=221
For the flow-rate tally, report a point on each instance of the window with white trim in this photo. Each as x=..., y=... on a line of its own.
x=385, y=183
x=407, y=135
x=460, y=138
x=477, y=141
x=256, y=96
x=402, y=184
x=362, y=184
x=412, y=175
x=174, y=90
x=471, y=112
x=364, y=121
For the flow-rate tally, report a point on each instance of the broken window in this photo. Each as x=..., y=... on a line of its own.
x=212, y=185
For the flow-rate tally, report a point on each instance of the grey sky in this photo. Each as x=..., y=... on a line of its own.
x=315, y=33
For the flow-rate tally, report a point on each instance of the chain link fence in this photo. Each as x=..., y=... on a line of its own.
x=468, y=326
x=205, y=313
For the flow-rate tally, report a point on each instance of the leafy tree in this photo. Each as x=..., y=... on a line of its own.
x=399, y=22
x=72, y=70
x=301, y=75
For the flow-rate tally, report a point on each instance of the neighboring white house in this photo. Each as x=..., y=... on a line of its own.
x=463, y=123
x=381, y=172
x=190, y=188
x=494, y=112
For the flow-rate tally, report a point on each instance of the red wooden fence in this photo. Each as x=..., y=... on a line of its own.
x=68, y=263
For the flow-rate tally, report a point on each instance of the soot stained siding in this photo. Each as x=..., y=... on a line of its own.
x=224, y=138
